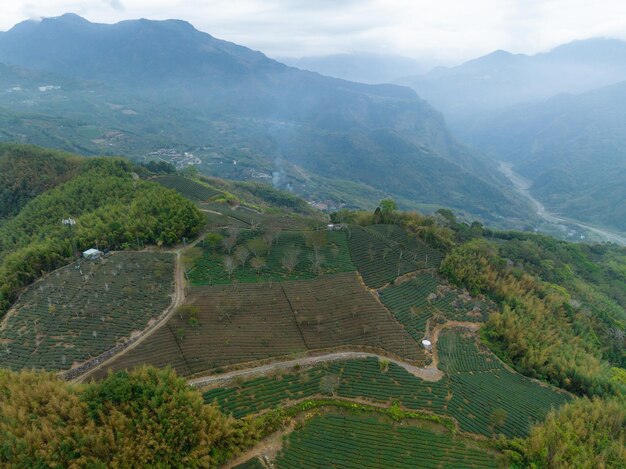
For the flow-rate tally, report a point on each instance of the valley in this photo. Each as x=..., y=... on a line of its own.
x=211, y=258
x=591, y=232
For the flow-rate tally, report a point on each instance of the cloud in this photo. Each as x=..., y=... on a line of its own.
x=451, y=30
x=115, y=4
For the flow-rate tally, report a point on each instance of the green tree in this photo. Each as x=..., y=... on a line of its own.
x=582, y=434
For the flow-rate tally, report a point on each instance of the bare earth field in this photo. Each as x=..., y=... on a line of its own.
x=228, y=324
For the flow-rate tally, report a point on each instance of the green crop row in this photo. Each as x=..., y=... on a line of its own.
x=333, y=257
x=187, y=187
x=82, y=310
x=378, y=261
x=421, y=253
x=414, y=302
x=368, y=441
x=488, y=402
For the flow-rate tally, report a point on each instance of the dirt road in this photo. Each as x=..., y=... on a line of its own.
x=426, y=373
x=178, y=298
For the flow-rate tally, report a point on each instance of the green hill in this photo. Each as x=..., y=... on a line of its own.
x=571, y=148
x=293, y=327
x=111, y=209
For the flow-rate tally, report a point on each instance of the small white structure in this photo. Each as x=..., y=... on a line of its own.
x=426, y=344
x=92, y=254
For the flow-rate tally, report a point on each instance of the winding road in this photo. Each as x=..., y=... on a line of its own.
x=178, y=298
x=426, y=373
x=522, y=186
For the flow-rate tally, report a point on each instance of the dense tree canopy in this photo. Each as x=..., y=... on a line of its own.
x=111, y=208
x=143, y=418
x=538, y=329
x=586, y=434
x=27, y=171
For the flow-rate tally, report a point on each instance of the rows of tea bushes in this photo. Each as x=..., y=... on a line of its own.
x=421, y=253
x=378, y=261
x=188, y=188
x=209, y=269
x=414, y=302
x=459, y=352
x=355, y=440
x=223, y=325
x=84, y=309
x=484, y=402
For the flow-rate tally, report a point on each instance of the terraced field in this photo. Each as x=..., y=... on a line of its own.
x=476, y=391
x=382, y=253
x=209, y=269
x=377, y=261
x=427, y=296
x=357, y=441
x=245, y=322
x=421, y=253
x=188, y=188
x=80, y=311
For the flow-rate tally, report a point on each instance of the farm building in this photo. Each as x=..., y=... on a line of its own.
x=426, y=344
x=92, y=254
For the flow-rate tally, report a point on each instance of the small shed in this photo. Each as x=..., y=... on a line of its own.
x=92, y=254
x=426, y=344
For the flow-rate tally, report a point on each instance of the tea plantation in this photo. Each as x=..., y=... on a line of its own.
x=474, y=392
x=229, y=324
x=84, y=309
x=368, y=441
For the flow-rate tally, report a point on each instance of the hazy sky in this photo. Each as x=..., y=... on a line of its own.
x=446, y=29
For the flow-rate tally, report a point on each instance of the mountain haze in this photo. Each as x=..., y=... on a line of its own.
x=314, y=133
x=572, y=148
x=558, y=117
x=501, y=79
x=361, y=67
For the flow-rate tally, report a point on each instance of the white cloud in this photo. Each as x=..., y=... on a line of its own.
x=448, y=29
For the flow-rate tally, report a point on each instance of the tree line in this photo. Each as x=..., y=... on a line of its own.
x=110, y=208
x=142, y=418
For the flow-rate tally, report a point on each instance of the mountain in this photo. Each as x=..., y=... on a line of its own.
x=556, y=116
x=142, y=87
x=360, y=67
x=572, y=148
x=501, y=79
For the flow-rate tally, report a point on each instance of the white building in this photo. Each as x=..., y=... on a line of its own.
x=92, y=254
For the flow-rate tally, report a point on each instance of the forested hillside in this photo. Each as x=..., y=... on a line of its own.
x=111, y=209
x=571, y=149
x=26, y=172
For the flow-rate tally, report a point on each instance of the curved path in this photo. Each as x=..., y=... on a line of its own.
x=86, y=369
x=426, y=373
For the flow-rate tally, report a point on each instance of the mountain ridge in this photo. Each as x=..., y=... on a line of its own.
x=285, y=120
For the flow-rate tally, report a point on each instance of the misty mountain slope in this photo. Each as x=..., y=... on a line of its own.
x=502, y=79
x=163, y=83
x=361, y=67
x=573, y=148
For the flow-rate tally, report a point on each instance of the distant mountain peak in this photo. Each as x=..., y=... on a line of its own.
x=68, y=17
